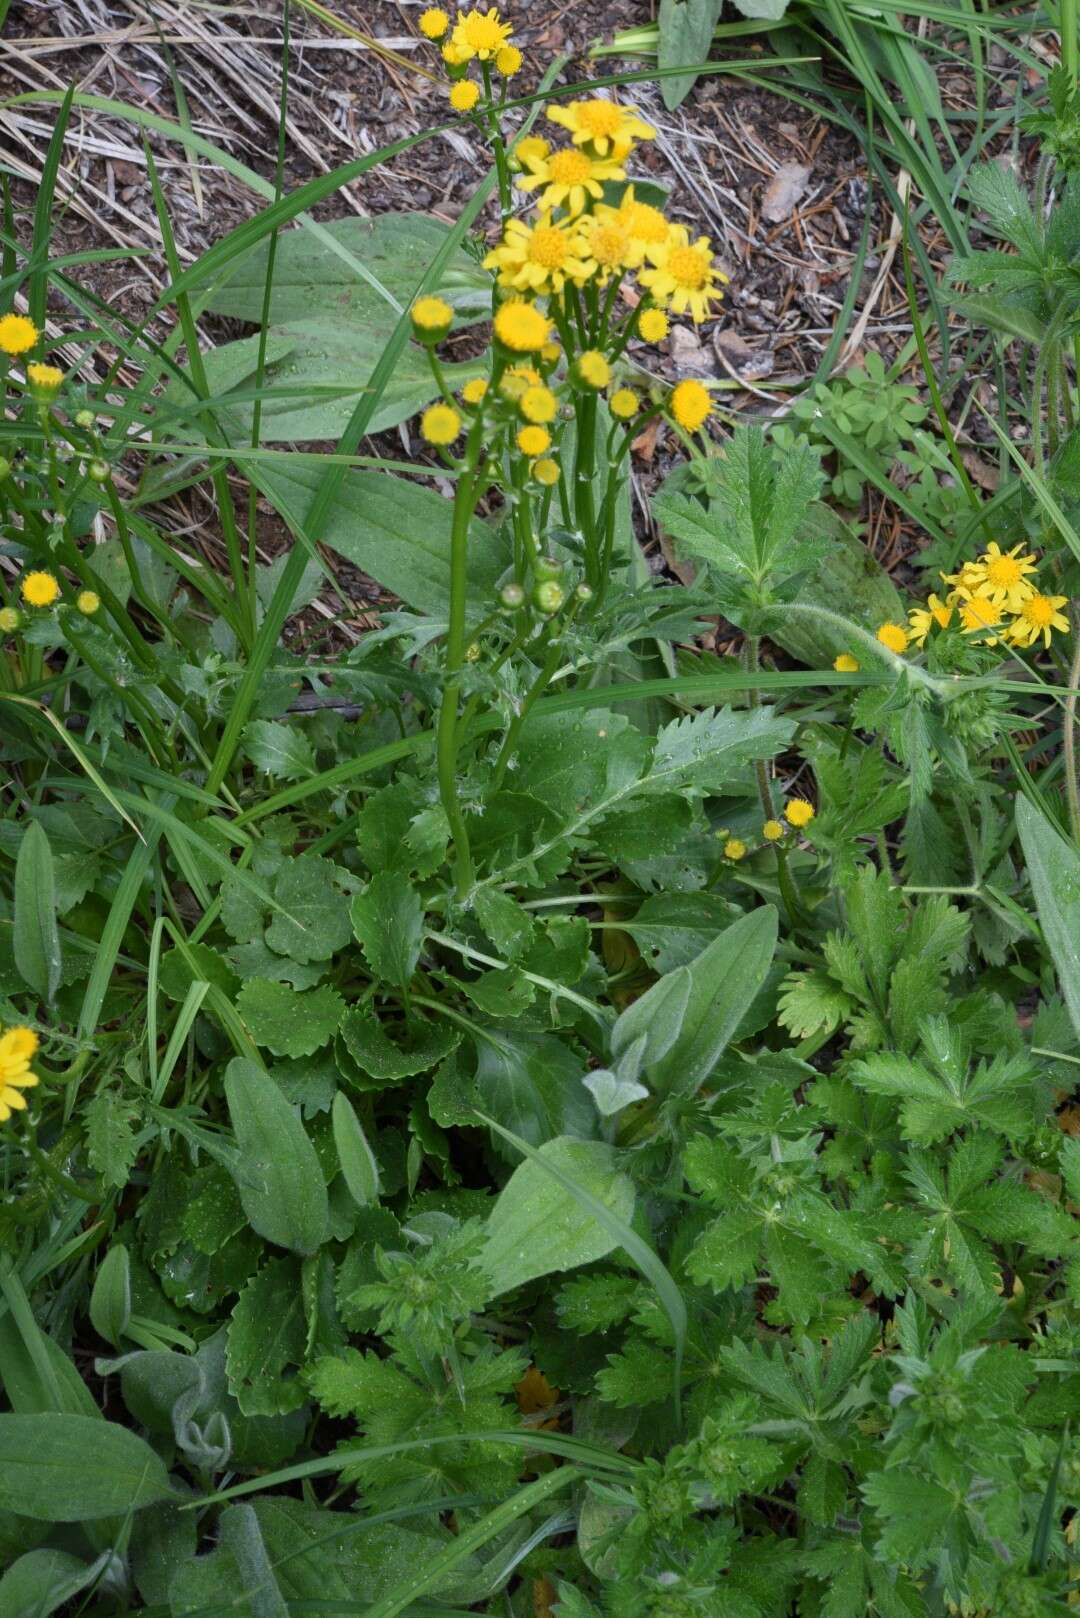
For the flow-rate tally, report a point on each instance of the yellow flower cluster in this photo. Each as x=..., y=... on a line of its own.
x=995, y=598
x=798, y=812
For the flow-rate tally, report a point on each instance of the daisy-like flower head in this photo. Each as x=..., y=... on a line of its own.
x=734, y=849
x=1004, y=576
x=644, y=223
x=455, y=55
x=846, y=664
x=653, y=325
x=520, y=326
x=45, y=381
x=684, y=276
x=39, y=589
x=538, y=404
x=440, y=424
x=609, y=247
x=464, y=95
x=434, y=22
x=546, y=471
x=17, y=334
x=9, y=620
x=431, y=318
x=602, y=124
x=978, y=614
x=923, y=619
x=624, y=404
x=481, y=33
x=1037, y=617
x=533, y=440
x=569, y=177
x=894, y=637
x=88, y=602
x=508, y=61
x=517, y=380
x=540, y=257
x=592, y=369
x=772, y=831
x=474, y=390
x=799, y=812
x=17, y=1049
x=690, y=405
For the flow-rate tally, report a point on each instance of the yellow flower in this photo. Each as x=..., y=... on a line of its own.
x=624, y=404
x=772, y=831
x=455, y=55
x=1003, y=576
x=603, y=125
x=684, y=276
x=923, y=619
x=17, y=334
x=978, y=614
x=894, y=637
x=481, y=33
x=592, y=369
x=653, y=326
x=508, y=61
x=546, y=471
x=538, y=258
x=45, y=380
x=846, y=664
x=521, y=326
x=799, y=812
x=39, y=589
x=644, y=223
x=550, y=353
x=569, y=177
x=690, y=405
x=431, y=318
x=608, y=246
x=735, y=848
x=434, y=23
x=9, y=620
x=17, y=1049
x=538, y=404
x=1038, y=616
x=464, y=95
x=88, y=602
x=440, y=424
x=533, y=440
x=517, y=381
x=474, y=391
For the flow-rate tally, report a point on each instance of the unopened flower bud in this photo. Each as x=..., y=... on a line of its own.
x=98, y=471
x=547, y=567
x=512, y=596
x=84, y=418
x=548, y=596
x=584, y=592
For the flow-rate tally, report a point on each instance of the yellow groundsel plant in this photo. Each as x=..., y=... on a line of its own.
x=583, y=265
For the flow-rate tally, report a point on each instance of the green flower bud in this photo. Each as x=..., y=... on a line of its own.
x=84, y=418
x=98, y=471
x=584, y=592
x=548, y=596
x=547, y=567
x=512, y=596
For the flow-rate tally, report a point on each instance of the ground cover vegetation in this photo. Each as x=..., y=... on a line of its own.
x=528, y=1113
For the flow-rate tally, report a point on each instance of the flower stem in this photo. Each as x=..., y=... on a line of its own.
x=1072, y=787
x=446, y=741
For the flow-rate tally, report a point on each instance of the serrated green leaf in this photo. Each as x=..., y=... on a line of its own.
x=388, y=921
x=267, y=1340
x=288, y=1023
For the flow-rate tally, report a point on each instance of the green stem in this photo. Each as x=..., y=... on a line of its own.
x=514, y=729
x=584, y=475
x=788, y=890
x=1072, y=787
x=498, y=147
x=446, y=735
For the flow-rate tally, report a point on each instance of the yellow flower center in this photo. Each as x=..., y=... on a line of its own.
x=1039, y=610
x=689, y=266
x=647, y=224
x=1004, y=570
x=548, y=246
x=599, y=117
x=608, y=245
x=570, y=168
